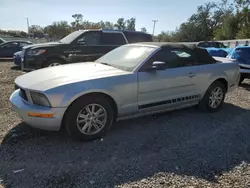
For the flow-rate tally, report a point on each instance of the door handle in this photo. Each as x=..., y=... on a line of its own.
x=191, y=74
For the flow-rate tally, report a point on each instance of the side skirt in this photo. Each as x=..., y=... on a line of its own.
x=158, y=111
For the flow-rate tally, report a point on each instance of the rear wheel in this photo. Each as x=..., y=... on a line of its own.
x=89, y=118
x=213, y=98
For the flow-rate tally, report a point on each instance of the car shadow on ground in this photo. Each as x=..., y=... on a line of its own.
x=185, y=142
x=15, y=68
x=19, y=69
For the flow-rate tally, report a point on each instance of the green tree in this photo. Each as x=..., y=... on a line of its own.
x=203, y=20
x=58, y=29
x=165, y=37
x=226, y=25
x=77, y=23
x=228, y=29
x=35, y=29
x=243, y=15
x=143, y=29
x=130, y=24
x=120, y=24
x=105, y=25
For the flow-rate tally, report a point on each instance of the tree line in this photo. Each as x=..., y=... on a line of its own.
x=60, y=29
x=222, y=20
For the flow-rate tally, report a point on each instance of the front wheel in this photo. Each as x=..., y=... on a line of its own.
x=89, y=118
x=213, y=98
x=52, y=63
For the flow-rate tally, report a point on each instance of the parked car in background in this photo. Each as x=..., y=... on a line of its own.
x=79, y=46
x=217, y=52
x=8, y=49
x=2, y=41
x=17, y=58
x=215, y=48
x=130, y=81
x=211, y=44
x=242, y=55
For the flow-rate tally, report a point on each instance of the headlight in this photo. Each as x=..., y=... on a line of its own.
x=39, y=99
x=36, y=52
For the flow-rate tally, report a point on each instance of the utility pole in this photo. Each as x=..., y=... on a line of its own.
x=27, y=19
x=154, y=26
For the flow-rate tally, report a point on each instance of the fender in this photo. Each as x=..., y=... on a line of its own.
x=71, y=100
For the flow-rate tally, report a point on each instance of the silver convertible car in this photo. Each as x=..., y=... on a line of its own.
x=130, y=81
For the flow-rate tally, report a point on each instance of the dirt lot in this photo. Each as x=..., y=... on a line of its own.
x=185, y=148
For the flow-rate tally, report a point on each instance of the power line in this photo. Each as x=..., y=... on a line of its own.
x=154, y=26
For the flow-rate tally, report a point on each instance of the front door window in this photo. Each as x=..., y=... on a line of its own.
x=89, y=39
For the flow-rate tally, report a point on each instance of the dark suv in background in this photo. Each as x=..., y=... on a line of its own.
x=79, y=46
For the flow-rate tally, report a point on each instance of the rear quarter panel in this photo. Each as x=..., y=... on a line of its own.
x=207, y=74
x=232, y=70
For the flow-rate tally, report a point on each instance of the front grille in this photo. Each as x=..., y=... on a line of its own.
x=22, y=94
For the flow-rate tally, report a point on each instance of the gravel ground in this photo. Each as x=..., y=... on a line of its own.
x=185, y=148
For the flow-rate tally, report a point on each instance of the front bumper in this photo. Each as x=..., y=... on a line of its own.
x=31, y=62
x=17, y=60
x=23, y=108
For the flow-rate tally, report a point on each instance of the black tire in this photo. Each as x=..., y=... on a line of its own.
x=204, y=103
x=73, y=111
x=49, y=62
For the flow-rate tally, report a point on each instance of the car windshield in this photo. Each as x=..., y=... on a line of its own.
x=126, y=57
x=71, y=37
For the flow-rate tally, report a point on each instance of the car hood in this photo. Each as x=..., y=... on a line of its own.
x=41, y=45
x=51, y=77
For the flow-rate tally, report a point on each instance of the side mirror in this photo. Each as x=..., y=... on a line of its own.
x=157, y=65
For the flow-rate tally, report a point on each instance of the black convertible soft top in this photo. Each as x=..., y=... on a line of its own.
x=201, y=53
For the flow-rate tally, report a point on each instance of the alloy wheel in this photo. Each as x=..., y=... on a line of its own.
x=91, y=119
x=216, y=97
